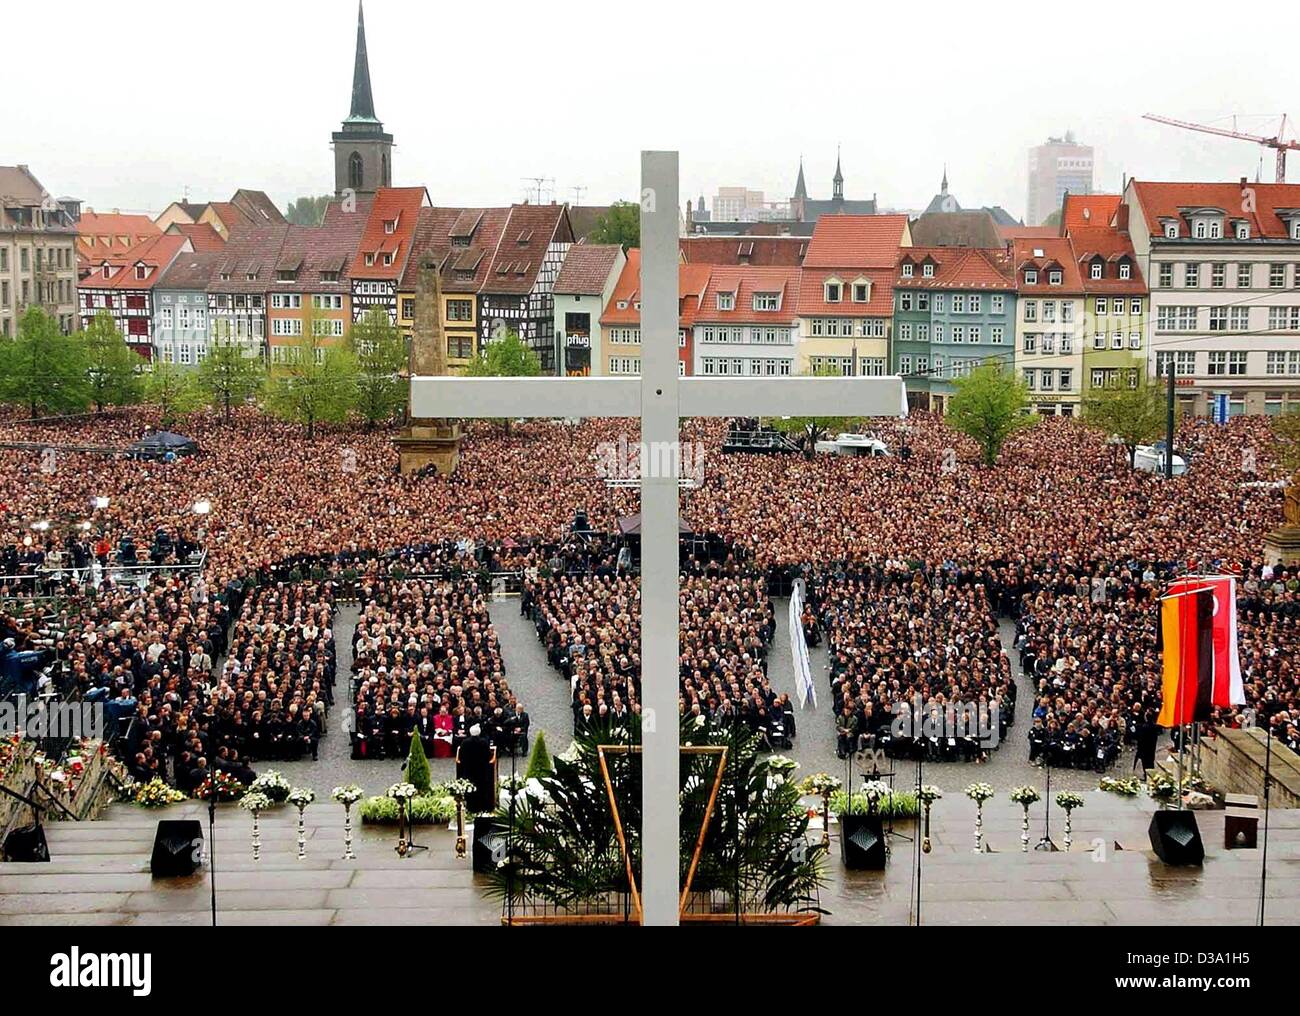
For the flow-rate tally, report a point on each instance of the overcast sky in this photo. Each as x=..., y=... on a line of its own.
x=125, y=106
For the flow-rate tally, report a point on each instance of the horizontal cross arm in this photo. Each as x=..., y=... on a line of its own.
x=462, y=398
x=792, y=396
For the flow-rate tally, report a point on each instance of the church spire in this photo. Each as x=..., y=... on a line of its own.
x=943, y=187
x=837, y=181
x=801, y=188
x=363, y=102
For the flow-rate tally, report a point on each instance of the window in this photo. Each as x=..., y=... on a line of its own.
x=922, y=333
x=1054, y=278
x=923, y=299
x=927, y=270
x=1176, y=319
x=1218, y=276
x=1098, y=377
x=726, y=301
x=958, y=333
x=1191, y=276
x=1135, y=306
x=1029, y=377
x=1125, y=270
x=1103, y=305
x=973, y=335
x=861, y=293
x=1171, y=230
x=1099, y=340
x=975, y=303
x=1095, y=271
x=1031, y=342
x=1067, y=380
x=938, y=303
x=1283, y=362
x=995, y=335
x=904, y=301
x=1067, y=311
x=905, y=331
x=1047, y=342
x=958, y=303
x=1218, y=319
x=998, y=301
x=767, y=301
x=1218, y=364
x=1283, y=319
x=1031, y=310
x=1134, y=340
x=1276, y=276
x=1237, y=363
x=938, y=333
x=1031, y=277
x=1165, y=274
x=905, y=365
x=833, y=292
x=1244, y=280
x=907, y=270
x=1045, y=382
x=460, y=310
x=1243, y=230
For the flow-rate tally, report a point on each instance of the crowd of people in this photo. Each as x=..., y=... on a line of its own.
x=1061, y=534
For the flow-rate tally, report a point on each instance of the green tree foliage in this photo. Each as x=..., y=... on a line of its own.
x=539, y=762
x=507, y=356
x=621, y=225
x=114, y=367
x=230, y=374
x=808, y=430
x=307, y=211
x=989, y=406
x=43, y=369
x=174, y=391
x=1133, y=415
x=417, y=766
x=1286, y=429
x=380, y=353
x=317, y=385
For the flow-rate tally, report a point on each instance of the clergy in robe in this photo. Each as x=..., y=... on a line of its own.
x=476, y=762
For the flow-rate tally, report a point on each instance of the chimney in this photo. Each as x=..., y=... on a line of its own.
x=1244, y=185
x=1121, y=217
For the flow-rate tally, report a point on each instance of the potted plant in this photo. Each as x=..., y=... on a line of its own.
x=300, y=797
x=255, y=803
x=979, y=793
x=347, y=795
x=402, y=793
x=781, y=767
x=1026, y=797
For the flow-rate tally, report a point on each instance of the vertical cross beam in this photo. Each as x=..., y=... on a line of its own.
x=659, y=540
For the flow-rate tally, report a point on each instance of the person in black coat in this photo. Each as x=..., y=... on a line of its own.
x=476, y=762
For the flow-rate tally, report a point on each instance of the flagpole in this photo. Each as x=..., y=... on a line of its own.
x=1263, y=861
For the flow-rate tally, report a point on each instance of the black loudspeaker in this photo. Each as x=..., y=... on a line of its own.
x=27, y=845
x=862, y=842
x=489, y=844
x=1175, y=837
x=177, y=848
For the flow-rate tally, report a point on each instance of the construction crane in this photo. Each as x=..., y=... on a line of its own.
x=1277, y=142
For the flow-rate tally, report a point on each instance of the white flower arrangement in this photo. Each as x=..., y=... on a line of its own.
x=348, y=794
x=300, y=797
x=782, y=764
x=1069, y=800
x=255, y=801
x=820, y=784
x=1025, y=796
x=875, y=791
x=273, y=784
x=979, y=792
x=928, y=793
x=1124, y=787
x=460, y=789
x=402, y=791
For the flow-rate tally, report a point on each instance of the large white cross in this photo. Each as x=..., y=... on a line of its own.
x=661, y=399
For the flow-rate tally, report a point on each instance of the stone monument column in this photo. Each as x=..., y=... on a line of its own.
x=1282, y=545
x=428, y=442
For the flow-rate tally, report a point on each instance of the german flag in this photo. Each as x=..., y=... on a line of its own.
x=1198, y=640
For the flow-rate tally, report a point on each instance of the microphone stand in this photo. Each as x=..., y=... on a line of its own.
x=212, y=843
x=1263, y=861
x=1046, y=842
x=510, y=834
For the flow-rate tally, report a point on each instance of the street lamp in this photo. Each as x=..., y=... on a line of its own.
x=99, y=502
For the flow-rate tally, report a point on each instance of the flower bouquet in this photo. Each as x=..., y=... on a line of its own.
x=156, y=793
x=1025, y=796
x=255, y=802
x=347, y=795
x=822, y=785
x=1068, y=800
x=979, y=793
x=1124, y=787
x=222, y=784
x=273, y=785
x=300, y=797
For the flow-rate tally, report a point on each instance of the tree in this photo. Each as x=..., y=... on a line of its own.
x=417, y=765
x=989, y=406
x=1135, y=415
x=307, y=211
x=621, y=225
x=174, y=391
x=229, y=375
x=43, y=369
x=808, y=430
x=539, y=762
x=507, y=356
x=1286, y=428
x=317, y=385
x=380, y=353
x=114, y=367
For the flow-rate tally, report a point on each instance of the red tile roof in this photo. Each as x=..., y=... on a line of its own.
x=692, y=283
x=314, y=251
x=586, y=269
x=956, y=268
x=1113, y=248
x=519, y=253
x=1082, y=211
x=1047, y=254
x=1017, y=232
x=1160, y=201
x=202, y=235
x=403, y=205
x=744, y=281
x=753, y=250
x=154, y=255
x=856, y=241
x=190, y=271
x=249, y=250
x=812, y=292
x=109, y=234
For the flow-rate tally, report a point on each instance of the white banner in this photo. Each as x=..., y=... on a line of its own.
x=807, y=693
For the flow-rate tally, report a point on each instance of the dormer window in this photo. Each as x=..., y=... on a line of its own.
x=1171, y=231
x=1054, y=277
x=861, y=292
x=1031, y=277
x=141, y=272
x=388, y=258
x=390, y=226
x=225, y=276
x=833, y=292
x=622, y=305
x=726, y=301
x=1125, y=270
x=907, y=270
x=370, y=260
x=251, y=276
x=767, y=301
x=1096, y=270
x=329, y=276
x=927, y=270
x=1216, y=231
x=1200, y=231
x=1243, y=230
x=1295, y=229
x=108, y=272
